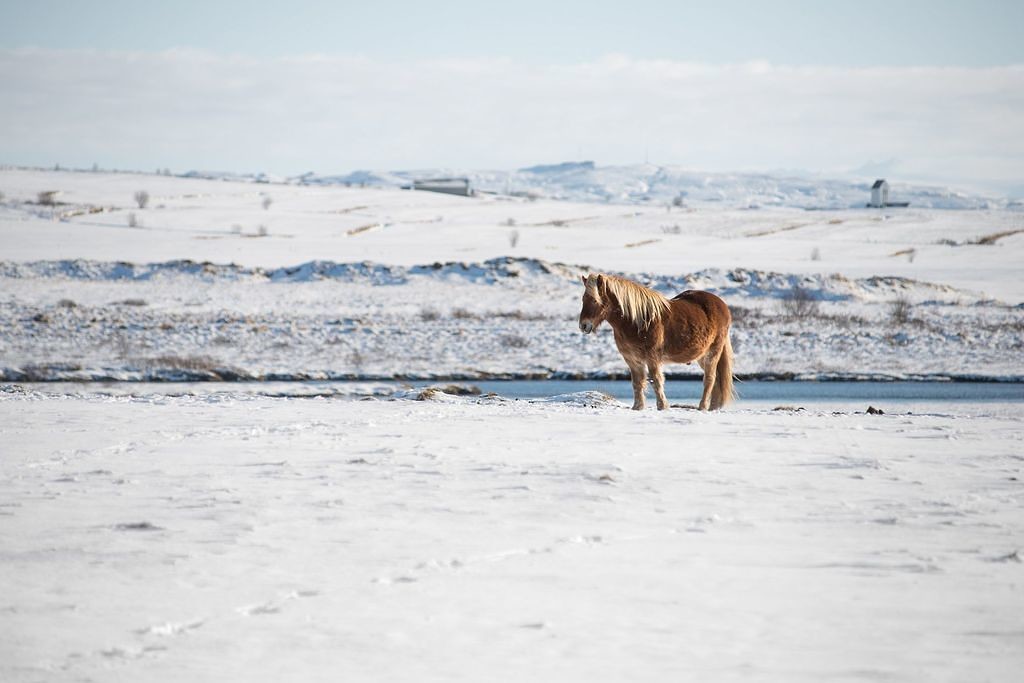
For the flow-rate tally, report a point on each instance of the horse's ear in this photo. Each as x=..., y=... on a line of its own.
x=584, y=279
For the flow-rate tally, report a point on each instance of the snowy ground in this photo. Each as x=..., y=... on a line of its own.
x=229, y=535
x=250, y=538
x=330, y=281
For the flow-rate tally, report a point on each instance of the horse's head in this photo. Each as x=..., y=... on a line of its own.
x=595, y=303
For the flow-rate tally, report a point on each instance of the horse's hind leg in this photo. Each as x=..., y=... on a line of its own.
x=658, y=379
x=709, y=363
x=638, y=373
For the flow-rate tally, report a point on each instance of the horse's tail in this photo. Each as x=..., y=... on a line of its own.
x=723, y=391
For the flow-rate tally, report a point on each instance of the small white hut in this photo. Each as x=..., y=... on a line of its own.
x=879, y=194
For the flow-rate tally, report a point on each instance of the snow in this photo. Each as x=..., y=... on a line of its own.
x=255, y=538
x=374, y=531
x=370, y=283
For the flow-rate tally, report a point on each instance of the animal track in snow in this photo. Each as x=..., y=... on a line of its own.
x=275, y=606
x=171, y=628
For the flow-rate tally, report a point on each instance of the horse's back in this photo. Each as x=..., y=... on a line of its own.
x=713, y=307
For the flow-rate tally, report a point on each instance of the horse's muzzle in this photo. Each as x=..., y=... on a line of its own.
x=586, y=327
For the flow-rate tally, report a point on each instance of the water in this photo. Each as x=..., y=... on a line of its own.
x=778, y=391
x=961, y=398
x=948, y=398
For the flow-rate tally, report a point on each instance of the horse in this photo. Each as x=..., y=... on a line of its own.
x=651, y=329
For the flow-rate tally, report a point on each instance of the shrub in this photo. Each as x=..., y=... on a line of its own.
x=800, y=303
x=142, y=198
x=429, y=315
x=267, y=201
x=899, y=310
x=133, y=220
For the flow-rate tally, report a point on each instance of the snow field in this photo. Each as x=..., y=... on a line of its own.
x=197, y=219
x=254, y=538
x=233, y=536
x=379, y=282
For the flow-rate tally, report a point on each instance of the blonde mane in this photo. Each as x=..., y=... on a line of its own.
x=640, y=305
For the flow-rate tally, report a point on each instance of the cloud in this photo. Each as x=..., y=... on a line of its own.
x=195, y=109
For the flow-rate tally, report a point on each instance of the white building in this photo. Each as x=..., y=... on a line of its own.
x=879, y=194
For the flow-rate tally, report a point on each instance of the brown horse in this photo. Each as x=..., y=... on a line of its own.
x=651, y=329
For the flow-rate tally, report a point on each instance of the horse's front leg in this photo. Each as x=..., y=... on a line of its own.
x=658, y=379
x=638, y=373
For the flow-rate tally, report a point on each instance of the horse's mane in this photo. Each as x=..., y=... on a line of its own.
x=640, y=305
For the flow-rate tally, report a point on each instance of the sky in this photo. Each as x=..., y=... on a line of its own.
x=921, y=91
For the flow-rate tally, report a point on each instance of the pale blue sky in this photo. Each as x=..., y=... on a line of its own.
x=930, y=91
x=788, y=32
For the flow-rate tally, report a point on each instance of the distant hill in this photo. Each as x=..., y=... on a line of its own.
x=649, y=183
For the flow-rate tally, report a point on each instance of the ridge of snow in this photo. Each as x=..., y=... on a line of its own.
x=734, y=282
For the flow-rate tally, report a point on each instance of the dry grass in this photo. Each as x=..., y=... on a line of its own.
x=514, y=341
x=995, y=237
x=984, y=240
x=191, y=363
x=362, y=228
x=520, y=315
x=772, y=231
x=641, y=243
